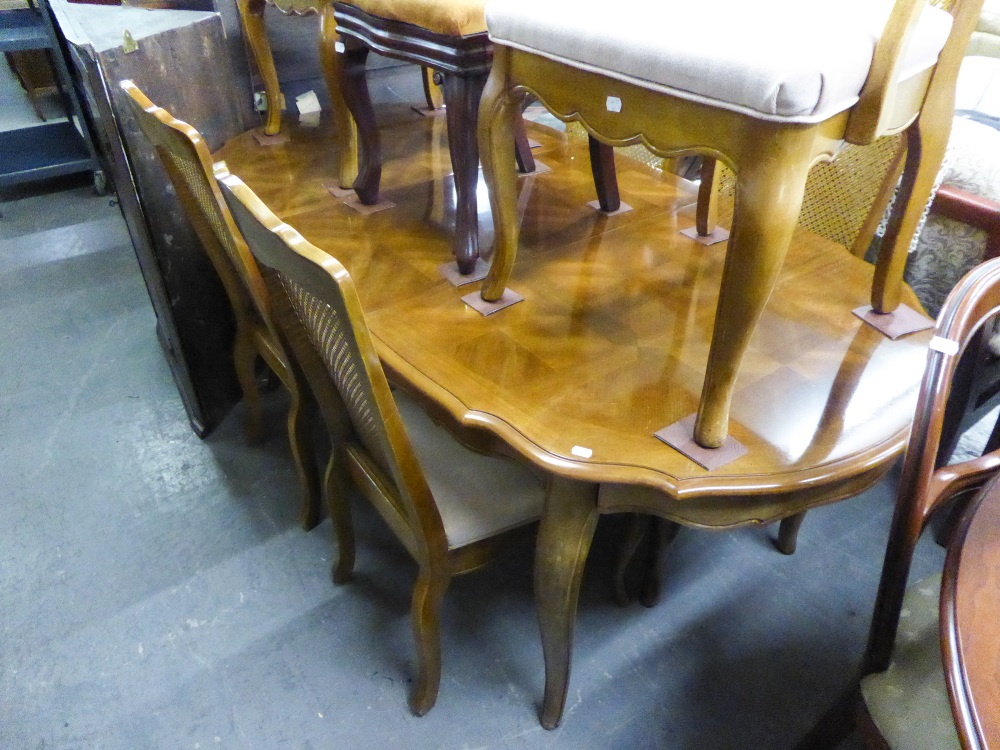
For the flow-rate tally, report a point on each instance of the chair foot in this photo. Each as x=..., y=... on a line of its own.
x=664, y=533
x=788, y=533
x=602, y=165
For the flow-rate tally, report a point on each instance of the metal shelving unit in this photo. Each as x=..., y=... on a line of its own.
x=52, y=149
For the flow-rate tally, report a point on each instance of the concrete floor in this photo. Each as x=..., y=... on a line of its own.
x=156, y=591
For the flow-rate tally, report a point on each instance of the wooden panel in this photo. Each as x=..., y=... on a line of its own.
x=186, y=70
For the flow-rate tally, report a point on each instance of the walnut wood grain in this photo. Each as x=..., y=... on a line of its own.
x=970, y=630
x=609, y=345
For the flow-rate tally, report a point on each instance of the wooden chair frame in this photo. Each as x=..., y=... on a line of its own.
x=771, y=161
x=924, y=488
x=252, y=15
x=188, y=163
x=464, y=62
x=398, y=491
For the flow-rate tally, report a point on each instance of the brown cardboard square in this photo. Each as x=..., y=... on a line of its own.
x=336, y=190
x=623, y=208
x=902, y=321
x=353, y=202
x=450, y=271
x=477, y=303
x=680, y=437
x=425, y=112
x=717, y=235
x=269, y=140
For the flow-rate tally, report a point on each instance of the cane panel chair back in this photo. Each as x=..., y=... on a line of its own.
x=452, y=525
x=326, y=304
x=924, y=487
x=188, y=163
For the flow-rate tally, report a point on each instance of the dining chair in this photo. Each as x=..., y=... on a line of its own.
x=252, y=16
x=451, y=508
x=774, y=92
x=188, y=164
x=903, y=690
x=902, y=702
x=449, y=37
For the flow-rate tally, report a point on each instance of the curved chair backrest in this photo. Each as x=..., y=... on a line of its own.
x=188, y=163
x=328, y=308
x=878, y=111
x=923, y=487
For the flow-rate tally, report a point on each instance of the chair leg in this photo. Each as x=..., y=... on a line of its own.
x=564, y=538
x=664, y=533
x=252, y=13
x=354, y=87
x=433, y=95
x=925, y=149
x=344, y=131
x=299, y=424
x=340, y=515
x=426, y=613
x=769, y=189
x=245, y=361
x=602, y=164
x=638, y=527
x=788, y=533
x=496, y=145
x=522, y=148
x=461, y=96
x=707, y=211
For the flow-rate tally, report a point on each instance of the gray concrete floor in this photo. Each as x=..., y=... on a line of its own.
x=156, y=591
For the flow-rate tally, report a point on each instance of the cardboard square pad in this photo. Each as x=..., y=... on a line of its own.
x=477, y=303
x=717, y=235
x=680, y=437
x=898, y=323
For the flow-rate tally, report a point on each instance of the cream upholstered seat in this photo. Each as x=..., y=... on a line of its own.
x=789, y=60
x=766, y=89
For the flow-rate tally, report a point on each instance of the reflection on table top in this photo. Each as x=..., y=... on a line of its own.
x=610, y=342
x=970, y=605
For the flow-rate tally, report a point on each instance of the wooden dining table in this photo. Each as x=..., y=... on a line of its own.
x=608, y=345
x=970, y=628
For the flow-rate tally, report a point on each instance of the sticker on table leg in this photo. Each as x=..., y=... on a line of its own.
x=901, y=321
x=352, y=202
x=622, y=208
x=680, y=437
x=456, y=278
x=715, y=236
x=539, y=169
x=263, y=139
x=477, y=303
x=336, y=190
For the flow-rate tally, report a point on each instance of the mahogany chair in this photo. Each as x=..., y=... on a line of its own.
x=767, y=98
x=450, y=507
x=903, y=701
x=449, y=37
x=188, y=163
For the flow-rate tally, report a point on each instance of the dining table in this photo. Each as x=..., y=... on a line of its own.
x=970, y=629
x=607, y=346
